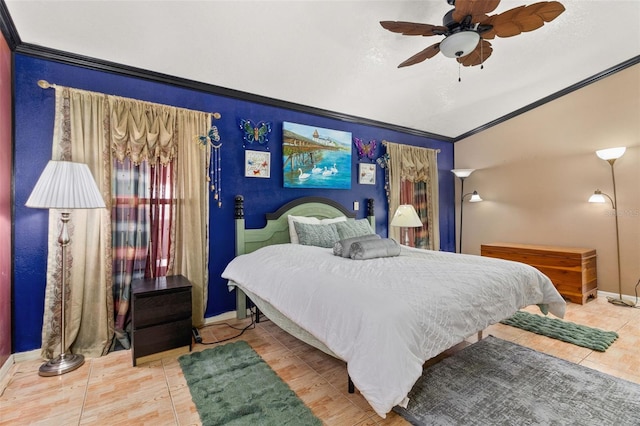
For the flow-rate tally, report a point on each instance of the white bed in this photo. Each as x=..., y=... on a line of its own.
x=385, y=316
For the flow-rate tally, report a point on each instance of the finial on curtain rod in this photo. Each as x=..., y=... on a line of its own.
x=45, y=84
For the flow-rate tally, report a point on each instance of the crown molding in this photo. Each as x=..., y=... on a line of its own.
x=579, y=85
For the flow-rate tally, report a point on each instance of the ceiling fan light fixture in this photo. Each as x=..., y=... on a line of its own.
x=459, y=44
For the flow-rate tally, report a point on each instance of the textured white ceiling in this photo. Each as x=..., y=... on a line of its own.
x=334, y=55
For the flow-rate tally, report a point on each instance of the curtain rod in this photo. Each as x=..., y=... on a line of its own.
x=437, y=150
x=46, y=85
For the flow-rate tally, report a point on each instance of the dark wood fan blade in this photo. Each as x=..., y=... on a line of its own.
x=522, y=19
x=479, y=55
x=423, y=55
x=475, y=8
x=412, y=28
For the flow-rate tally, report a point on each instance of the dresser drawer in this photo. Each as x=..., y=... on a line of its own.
x=161, y=307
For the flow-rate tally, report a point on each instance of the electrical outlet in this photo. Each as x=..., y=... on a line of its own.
x=356, y=206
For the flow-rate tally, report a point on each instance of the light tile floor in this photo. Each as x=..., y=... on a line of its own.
x=109, y=391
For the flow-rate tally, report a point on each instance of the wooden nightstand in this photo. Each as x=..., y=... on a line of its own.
x=160, y=315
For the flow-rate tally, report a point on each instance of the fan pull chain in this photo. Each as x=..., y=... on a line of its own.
x=459, y=67
x=481, y=55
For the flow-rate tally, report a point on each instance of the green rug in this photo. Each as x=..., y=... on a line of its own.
x=232, y=385
x=580, y=335
x=495, y=382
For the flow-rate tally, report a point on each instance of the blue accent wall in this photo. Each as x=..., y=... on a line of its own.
x=34, y=114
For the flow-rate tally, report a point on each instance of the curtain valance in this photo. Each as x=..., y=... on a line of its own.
x=142, y=131
x=415, y=161
x=136, y=129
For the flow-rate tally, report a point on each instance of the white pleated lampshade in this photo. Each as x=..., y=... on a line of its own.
x=66, y=185
x=406, y=216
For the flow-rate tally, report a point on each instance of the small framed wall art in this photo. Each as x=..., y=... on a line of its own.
x=367, y=174
x=257, y=164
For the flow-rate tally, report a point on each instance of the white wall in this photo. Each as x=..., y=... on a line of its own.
x=537, y=170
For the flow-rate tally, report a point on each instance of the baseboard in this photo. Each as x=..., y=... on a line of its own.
x=5, y=369
x=27, y=356
x=226, y=316
x=14, y=359
x=616, y=296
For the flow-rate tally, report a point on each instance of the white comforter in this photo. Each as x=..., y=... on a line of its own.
x=385, y=317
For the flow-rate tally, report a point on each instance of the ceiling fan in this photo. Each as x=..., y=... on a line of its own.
x=467, y=28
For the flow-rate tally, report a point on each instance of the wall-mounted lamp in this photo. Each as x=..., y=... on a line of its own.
x=611, y=155
x=462, y=174
x=65, y=186
x=406, y=217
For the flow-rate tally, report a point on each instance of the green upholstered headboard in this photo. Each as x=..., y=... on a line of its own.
x=276, y=231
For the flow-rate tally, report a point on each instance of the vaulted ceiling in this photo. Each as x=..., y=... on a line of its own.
x=334, y=55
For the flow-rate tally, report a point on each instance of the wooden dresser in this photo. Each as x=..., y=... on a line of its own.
x=572, y=270
x=160, y=315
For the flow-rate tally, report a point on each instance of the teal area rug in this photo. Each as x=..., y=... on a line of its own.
x=495, y=382
x=232, y=385
x=580, y=335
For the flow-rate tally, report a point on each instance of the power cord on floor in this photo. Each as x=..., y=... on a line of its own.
x=251, y=325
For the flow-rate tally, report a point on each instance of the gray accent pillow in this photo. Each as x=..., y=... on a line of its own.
x=317, y=235
x=371, y=249
x=353, y=228
x=343, y=247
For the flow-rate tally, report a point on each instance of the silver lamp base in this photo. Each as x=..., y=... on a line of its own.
x=621, y=302
x=61, y=364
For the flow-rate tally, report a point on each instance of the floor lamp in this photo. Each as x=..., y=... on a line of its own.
x=64, y=185
x=406, y=217
x=462, y=174
x=611, y=155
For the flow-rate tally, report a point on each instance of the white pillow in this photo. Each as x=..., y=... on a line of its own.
x=293, y=236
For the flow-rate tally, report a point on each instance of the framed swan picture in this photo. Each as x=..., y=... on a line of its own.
x=314, y=157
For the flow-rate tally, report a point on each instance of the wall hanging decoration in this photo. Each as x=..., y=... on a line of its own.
x=257, y=164
x=367, y=174
x=383, y=162
x=313, y=157
x=210, y=142
x=366, y=150
x=255, y=133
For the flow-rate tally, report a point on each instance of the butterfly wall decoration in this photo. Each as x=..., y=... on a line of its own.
x=365, y=150
x=259, y=132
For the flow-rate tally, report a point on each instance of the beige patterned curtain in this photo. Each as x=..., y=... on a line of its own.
x=192, y=213
x=93, y=128
x=81, y=135
x=414, y=164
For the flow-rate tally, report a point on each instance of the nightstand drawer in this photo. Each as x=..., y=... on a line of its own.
x=161, y=337
x=159, y=308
